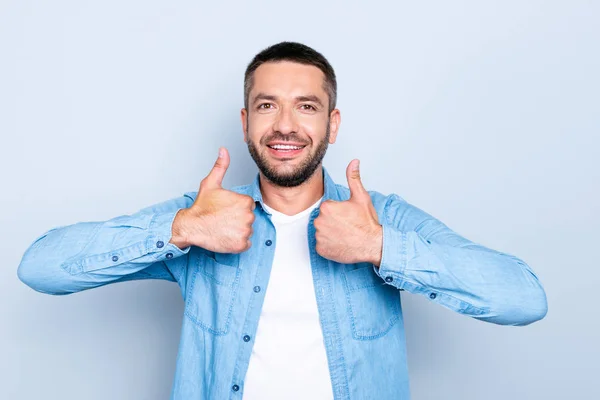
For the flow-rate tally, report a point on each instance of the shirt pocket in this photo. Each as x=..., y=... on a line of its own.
x=373, y=306
x=211, y=291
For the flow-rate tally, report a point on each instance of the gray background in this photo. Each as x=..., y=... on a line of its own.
x=484, y=114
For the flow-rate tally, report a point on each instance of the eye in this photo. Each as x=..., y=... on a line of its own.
x=265, y=106
x=308, y=107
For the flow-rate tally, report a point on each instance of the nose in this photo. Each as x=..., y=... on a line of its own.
x=285, y=122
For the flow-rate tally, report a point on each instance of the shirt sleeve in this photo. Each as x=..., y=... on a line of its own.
x=69, y=259
x=423, y=256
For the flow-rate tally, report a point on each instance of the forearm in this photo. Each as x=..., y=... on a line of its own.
x=81, y=256
x=463, y=276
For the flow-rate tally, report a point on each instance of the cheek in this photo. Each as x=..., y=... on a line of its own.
x=315, y=130
x=257, y=128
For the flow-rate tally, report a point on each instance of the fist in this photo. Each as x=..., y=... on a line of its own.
x=349, y=231
x=219, y=220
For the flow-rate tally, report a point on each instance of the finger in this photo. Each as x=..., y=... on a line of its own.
x=216, y=175
x=354, y=183
x=326, y=204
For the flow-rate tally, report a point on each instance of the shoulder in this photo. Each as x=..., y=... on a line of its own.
x=383, y=203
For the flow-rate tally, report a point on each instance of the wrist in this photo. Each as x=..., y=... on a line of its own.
x=179, y=230
x=377, y=247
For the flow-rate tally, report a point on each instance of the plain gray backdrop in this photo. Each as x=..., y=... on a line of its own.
x=483, y=114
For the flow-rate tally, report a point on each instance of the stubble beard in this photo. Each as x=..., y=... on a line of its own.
x=301, y=173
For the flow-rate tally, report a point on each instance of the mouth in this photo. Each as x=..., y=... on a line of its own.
x=285, y=150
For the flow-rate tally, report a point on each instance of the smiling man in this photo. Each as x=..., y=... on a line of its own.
x=291, y=283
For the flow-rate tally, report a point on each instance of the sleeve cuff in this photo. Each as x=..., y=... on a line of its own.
x=161, y=232
x=393, y=257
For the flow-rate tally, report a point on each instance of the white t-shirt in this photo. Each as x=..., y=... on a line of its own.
x=288, y=359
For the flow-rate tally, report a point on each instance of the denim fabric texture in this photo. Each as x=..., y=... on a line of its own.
x=359, y=304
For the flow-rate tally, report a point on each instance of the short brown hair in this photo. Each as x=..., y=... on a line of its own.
x=294, y=52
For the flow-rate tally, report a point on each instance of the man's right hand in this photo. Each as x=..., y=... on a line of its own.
x=219, y=220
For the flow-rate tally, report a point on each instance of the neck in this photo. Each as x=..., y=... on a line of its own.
x=292, y=200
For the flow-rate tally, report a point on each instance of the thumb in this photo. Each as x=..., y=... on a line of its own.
x=216, y=175
x=354, y=183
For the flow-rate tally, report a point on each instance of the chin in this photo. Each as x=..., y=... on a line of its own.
x=285, y=171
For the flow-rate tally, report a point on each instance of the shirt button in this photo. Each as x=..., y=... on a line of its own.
x=159, y=244
x=268, y=243
x=428, y=241
x=235, y=388
x=432, y=296
x=169, y=256
x=115, y=258
x=389, y=279
x=246, y=338
x=256, y=289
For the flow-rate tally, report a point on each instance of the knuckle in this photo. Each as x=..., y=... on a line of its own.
x=317, y=223
x=319, y=249
x=241, y=245
x=244, y=232
x=203, y=183
x=326, y=206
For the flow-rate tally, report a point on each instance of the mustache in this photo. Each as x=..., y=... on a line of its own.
x=284, y=138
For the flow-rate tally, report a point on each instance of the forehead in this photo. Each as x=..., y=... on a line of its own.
x=288, y=78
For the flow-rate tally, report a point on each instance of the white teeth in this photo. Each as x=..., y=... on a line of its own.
x=285, y=147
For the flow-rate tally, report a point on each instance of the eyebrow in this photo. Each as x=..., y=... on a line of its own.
x=264, y=96
x=312, y=98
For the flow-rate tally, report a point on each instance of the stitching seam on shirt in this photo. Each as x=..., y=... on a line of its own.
x=426, y=290
x=79, y=263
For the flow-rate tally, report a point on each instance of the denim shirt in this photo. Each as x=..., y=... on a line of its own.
x=359, y=304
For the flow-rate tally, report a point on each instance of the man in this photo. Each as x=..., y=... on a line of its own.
x=291, y=283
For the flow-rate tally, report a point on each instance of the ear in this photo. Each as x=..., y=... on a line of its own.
x=335, y=119
x=244, y=116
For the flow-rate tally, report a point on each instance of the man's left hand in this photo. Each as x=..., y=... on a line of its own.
x=349, y=231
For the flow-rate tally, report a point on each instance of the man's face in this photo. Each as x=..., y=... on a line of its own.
x=287, y=125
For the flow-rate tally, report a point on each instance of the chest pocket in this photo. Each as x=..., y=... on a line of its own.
x=211, y=290
x=373, y=306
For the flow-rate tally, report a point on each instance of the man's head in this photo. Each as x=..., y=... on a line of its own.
x=290, y=94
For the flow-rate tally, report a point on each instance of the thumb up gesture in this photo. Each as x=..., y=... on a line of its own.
x=349, y=231
x=219, y=220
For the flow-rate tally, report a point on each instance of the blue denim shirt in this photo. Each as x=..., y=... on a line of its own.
x=359, y=304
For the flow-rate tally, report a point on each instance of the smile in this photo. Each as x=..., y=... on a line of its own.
x=285, y=151
x=285, y=147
